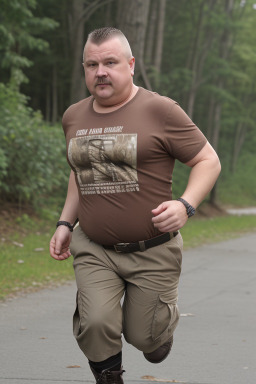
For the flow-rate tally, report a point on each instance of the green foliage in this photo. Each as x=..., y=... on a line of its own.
x=207, y=54
x=19, y=32
x=172, y=84
x=239, y=188
x=32, y=154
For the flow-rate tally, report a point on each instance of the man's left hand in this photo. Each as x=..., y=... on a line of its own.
x=169, y=216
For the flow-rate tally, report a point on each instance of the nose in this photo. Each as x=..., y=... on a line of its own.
x=101, y=71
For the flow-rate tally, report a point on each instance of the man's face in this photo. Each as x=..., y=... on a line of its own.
x=108, y=71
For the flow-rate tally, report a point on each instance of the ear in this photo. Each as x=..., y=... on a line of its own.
x=132, y=65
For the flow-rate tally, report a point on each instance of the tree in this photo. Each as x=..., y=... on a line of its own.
x=132, y=19
x=76, y=36
x=19, y=32
x=200, y=46
x=81, y=12
x=244, y=84
x=199, y=53
x=154, y=41
x=225, y=45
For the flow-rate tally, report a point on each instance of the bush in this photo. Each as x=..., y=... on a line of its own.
x=239, y=188
x=32, y=153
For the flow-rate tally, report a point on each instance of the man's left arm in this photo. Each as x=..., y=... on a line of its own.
x=171, y=215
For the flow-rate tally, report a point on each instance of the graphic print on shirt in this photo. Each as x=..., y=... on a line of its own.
x=105, y=163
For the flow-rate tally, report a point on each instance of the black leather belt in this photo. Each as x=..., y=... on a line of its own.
x=142, y=245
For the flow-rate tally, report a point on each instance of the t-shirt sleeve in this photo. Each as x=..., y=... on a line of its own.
x=183, y=139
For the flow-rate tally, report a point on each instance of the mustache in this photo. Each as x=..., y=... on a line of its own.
x=102, y=80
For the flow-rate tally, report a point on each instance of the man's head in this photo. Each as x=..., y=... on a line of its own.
x=109, y=66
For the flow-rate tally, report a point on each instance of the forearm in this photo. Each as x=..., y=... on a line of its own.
x=70, y=209
x=170, y=216
x=202, y=178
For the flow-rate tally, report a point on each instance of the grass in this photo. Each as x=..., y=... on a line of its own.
x=200, y=231
x=26, y=265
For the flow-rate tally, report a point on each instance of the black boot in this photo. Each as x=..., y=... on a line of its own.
x=108, y=377
x=160, y=353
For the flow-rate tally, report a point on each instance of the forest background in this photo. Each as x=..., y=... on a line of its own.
x=201, y=53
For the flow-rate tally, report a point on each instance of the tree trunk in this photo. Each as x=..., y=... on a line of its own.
x=132, y=19
x=210, y=118
x=159, y=36
x=241, y=131
x=215, y=143
x=217, y=126
x=224, y=51
x=225, y=45
x=48, y=104
x=213, y=195
x=108, y=15
x=77, y=89
x=200, y=48
x=54, y=95
x=159, y=43
x=151, y=33
x=194, y=64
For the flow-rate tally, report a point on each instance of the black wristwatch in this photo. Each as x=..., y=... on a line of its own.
x=67, y=224
x=190, y=210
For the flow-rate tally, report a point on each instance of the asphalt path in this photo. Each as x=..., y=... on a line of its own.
x=215, y=342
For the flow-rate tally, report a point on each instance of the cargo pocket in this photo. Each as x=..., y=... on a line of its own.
x=165, y=320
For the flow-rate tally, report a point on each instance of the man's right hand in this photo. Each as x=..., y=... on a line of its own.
x=59, y=244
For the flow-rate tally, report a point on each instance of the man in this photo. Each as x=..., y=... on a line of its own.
x=121, y=145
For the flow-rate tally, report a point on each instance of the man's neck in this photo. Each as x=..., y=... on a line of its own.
x=99, y=108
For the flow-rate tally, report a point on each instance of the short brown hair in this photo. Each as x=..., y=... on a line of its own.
x=100, y=35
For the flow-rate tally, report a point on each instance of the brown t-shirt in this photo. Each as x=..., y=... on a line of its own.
x=123, y=162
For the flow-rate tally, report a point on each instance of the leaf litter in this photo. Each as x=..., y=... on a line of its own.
x=152, y=378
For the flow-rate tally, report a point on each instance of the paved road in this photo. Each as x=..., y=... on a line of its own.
x=215, y=342
x=242, y=211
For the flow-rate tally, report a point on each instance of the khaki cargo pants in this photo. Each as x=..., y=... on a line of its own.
x=149, y=283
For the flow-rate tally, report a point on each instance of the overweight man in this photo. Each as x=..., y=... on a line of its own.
x=122, y=143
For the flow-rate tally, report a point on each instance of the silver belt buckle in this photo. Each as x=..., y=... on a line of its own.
x=120, y=245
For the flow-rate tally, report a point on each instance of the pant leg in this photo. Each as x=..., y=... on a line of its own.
x=97, y=320
x=150, y=311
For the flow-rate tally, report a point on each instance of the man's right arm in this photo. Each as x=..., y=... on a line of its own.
x=59, y=244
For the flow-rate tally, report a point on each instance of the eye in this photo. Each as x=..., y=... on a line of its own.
x=90, y=65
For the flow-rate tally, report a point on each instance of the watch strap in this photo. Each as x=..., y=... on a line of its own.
x=66, y=223
x=190, y=210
